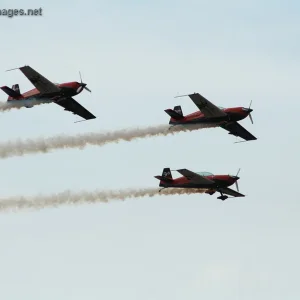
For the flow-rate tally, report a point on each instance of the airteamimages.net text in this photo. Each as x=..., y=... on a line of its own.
x=20, y=12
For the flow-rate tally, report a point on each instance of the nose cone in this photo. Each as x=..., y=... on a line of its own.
x=248, y=110
x=84, y=86
x=235, y=177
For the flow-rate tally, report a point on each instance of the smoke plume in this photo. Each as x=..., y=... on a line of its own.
x=42, y=145
x=18, y=104
x=38, y=202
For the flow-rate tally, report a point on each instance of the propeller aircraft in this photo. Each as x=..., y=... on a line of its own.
x=59, y=93
x=201, y=180
x=208, y=113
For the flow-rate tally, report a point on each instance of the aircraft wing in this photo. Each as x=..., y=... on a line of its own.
x=231, y=192
x=206, y=107
x=194, y=177
x=40, y=82
x=238, y=130
x=71, y=105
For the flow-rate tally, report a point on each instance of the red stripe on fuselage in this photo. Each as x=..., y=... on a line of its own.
x=220, y=180
x=236, y=113
x=35, y=92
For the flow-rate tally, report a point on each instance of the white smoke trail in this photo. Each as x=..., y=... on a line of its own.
x=38, y=202
x=42, y=145
x=18, y=104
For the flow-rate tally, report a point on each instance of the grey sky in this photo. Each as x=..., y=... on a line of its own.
x=135, y=58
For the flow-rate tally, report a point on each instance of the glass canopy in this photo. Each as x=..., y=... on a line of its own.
x=205, y=173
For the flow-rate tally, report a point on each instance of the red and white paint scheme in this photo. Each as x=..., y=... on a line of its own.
x=201, y=180
x=60, y=94
x=209, y=113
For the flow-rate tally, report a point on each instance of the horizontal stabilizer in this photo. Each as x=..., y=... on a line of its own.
x=166, y=176
x=165, y=179
x=173, y=114
x=10, y=92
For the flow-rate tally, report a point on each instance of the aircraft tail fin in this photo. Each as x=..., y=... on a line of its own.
x=13, y=92
x=16, y=88
x=175, y=113
x=165, y=177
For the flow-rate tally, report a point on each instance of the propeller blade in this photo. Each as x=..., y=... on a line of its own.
x=80, y=77
x=237, y=186
x=238, y=172
x=250, y=103
x=251, y=118
x=87, y=89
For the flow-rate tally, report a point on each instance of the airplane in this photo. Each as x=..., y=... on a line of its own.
x=60, y=94
x=201, y=180
x=227, y=118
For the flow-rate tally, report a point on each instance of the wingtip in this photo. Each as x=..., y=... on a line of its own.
x=18, y=68
x=186, y=95
x=80, y=121
x=13, y=69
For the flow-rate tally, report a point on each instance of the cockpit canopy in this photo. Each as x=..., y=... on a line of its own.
x=221, y=107
x=205, y=174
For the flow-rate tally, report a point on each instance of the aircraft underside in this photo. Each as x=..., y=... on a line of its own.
x=209, y=120
x=193, y=186
x=213, y=188
x=202, y=120
x=30, y=102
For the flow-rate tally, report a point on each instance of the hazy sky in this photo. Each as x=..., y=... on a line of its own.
x=136, y=56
